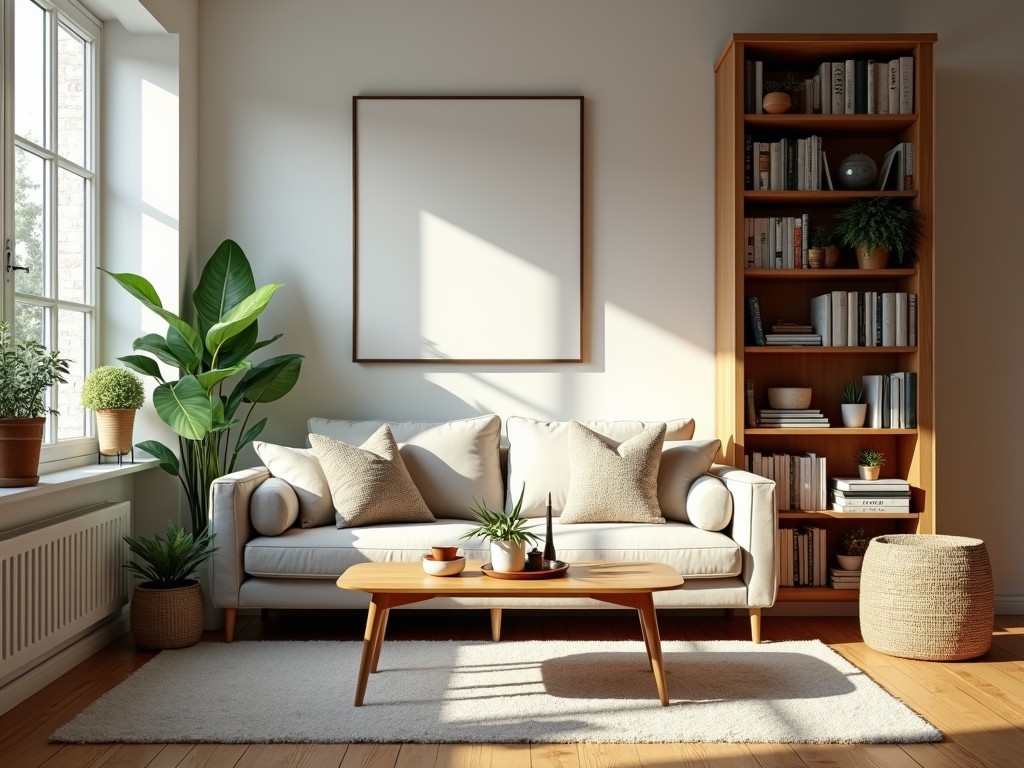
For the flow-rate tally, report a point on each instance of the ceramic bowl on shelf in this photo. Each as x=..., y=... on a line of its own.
x=443, y=567
x=789, y=398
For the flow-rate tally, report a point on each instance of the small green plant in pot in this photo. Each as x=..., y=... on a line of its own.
x=115, y=394
x=780, y=94
x=27, y=371
x=506, y=532
x=853, y=406
x=850, y=548
x=167, y=604
x=877, y=227
x=869, y=463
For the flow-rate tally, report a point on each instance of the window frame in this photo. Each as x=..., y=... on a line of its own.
x=57, y=453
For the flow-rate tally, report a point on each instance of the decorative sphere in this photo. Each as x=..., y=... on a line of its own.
x=858, y=171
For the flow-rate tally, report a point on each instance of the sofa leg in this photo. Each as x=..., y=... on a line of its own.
x=229, y=624
x=755, y=624
x=495, y=624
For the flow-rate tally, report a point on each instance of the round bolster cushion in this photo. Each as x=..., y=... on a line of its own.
x=274, y=507
x=709, y=504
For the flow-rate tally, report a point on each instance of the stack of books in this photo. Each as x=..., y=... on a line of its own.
x=792, y=417
x=854, y=495
x=844, y=579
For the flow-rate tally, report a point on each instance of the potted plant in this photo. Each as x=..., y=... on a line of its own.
x=877, y=227
x=850, y=549
x=780, y=94
x=207, y=352
x=869, y=463
x=167, y=604
x=115, y=393
x=854, y=409
x=27, y=370
x=506, y=533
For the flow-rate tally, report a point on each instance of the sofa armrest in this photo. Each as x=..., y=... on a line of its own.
x=229, y=521
x=755, y=520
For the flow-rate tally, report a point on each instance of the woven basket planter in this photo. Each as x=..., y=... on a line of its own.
x=927, y=597
x=114, y=431
x=162, y=619
x=20, y=443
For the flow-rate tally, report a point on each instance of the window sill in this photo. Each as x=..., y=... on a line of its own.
x=65, y=479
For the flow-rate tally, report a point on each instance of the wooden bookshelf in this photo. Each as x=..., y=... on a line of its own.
x=910, y=453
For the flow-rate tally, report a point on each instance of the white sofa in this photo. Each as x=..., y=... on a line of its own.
x=717, y=523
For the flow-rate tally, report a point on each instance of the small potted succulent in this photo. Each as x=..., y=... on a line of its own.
x=854, y=409
x=877, y=227
x=507, y=534
x=167, y=604
x=115, y=393
x=27, y=371
x=850, y=549
x=869, y=463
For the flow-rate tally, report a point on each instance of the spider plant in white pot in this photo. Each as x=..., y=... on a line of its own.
x=507, y=534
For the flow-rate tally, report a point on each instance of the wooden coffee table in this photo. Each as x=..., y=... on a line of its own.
x=390, y=585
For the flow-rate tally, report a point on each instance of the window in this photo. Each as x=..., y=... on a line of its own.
x=49, y=162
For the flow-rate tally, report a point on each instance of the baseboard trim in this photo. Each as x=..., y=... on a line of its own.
x=1010, y=604
x=48, y=670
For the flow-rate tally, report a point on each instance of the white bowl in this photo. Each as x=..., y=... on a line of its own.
x=789, y=397
x=444, y=567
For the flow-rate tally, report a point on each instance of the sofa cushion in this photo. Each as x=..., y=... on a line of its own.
x=612, y=482
x=274, y=507
x=682, y=464
x=538, y=455
x=451, y=462
x=709, y=504
x=301, y=469
x=324, y=553
x=369, y=484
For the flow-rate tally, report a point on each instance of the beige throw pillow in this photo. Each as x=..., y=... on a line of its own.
x=300, y=468
x=612, y=482
x=681, y=465
x=369, y=484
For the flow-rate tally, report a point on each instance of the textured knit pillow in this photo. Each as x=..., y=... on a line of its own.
x=612, y=482
x=369, y=484
x=301, y=470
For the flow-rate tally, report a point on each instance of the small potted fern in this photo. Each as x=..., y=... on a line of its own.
x=115, y=393
x=167, y=604
x=877, y=227
x=854, y=409
x=507, y=534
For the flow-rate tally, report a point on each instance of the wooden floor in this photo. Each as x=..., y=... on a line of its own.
x=978, y=705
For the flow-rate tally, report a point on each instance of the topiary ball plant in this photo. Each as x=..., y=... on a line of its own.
x=112, y=387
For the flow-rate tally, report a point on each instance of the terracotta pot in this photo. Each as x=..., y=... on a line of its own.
x=776, y=102
x=876, y=258
x=114, y=431
x=832, y=254
x=20, y=443
x=815, y=258
x=868, y=473
x=167, y=618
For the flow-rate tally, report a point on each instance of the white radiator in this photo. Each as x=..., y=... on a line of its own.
x=59, y=578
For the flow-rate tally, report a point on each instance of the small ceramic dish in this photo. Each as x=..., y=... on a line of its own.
x=443, y=567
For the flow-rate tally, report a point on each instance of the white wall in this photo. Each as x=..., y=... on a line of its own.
x=275, y=84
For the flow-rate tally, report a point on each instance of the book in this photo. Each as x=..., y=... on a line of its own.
x=894, y=87
x=868, y=503
x=911, y=319
x=839, y=318
x=860, y=86
x=825, y=88
x=821, y=318
x=901, y=319
x=849, y=86
x=877, y=486
x=906, y=85
x=889, y=319
x=838, y=98
x=791, y=328
x=910, y=399
x=749, y=396
x=758, y=86
x=870, y=494
x=882, y=87
x=754, y=320
x=908, y=165
x=891, y=159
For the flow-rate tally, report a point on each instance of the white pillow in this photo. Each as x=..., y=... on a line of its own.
x=709, y=504
x=273, y=507
x=300, y=469
x=451, y=462
x=682, y=464
x=613, y=483
x=538, y=455
x=369, y=484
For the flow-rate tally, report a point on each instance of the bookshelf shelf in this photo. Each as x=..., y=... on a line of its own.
x=784, y=295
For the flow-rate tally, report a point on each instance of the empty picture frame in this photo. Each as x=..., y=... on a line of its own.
x=467, y=229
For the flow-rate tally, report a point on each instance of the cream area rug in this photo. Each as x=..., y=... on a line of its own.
x=532, y=691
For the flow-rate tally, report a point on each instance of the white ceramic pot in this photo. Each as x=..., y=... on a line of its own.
x=854, y=414
x=507, y=556
x=850, y=562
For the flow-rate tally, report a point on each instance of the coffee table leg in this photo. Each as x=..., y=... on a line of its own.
x=647, y=645
x=372, y=636
x=649, y=623
x=495, y=624
x=380, y=639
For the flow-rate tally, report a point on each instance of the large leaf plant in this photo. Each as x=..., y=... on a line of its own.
x=216, y=377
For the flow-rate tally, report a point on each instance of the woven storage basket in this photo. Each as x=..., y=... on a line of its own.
x=162, y=619
x=927, y=597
